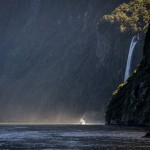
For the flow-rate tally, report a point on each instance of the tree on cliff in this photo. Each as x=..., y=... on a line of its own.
x=134, y=16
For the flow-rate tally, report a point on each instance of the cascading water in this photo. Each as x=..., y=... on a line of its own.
x=132, y=46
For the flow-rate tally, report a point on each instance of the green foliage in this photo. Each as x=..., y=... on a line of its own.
x=134, y=16
x=119, y=87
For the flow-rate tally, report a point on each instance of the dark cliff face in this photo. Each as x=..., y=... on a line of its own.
x=54, y=64
x=130, y=103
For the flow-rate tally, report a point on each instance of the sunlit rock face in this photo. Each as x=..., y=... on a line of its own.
x=130, y=103
x=54, y=64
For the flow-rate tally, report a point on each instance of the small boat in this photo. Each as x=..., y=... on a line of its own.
x=82, y=121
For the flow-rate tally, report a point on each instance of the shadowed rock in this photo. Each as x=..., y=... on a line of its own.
x=147, y=135
x=130, y=103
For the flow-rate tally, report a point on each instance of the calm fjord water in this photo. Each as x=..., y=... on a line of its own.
x=72, y=137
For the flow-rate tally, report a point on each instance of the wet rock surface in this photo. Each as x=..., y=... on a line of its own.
x=130, y=103
x=147, y=135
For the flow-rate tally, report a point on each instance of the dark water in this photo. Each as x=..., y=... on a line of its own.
x=72, y=137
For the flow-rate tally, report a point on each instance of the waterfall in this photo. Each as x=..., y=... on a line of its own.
x=128, y=66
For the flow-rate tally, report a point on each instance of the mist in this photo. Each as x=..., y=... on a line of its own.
x=56, y=64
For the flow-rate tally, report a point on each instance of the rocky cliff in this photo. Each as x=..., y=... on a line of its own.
x=130, y=103
x=55, y=65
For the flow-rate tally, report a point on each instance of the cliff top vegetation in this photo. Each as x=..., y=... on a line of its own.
x=133, y=16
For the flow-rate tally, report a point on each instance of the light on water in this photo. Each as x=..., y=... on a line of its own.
x=72, y=137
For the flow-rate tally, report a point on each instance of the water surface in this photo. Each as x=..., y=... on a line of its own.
x=72, y=137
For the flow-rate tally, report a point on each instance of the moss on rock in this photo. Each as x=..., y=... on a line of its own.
x=130, y=103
